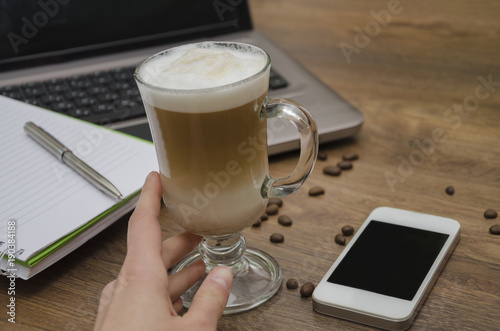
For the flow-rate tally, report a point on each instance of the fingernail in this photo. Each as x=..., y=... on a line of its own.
x=149, y=176
x=223, y=276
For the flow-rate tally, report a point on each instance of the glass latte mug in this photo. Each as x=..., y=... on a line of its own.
x=207, y=108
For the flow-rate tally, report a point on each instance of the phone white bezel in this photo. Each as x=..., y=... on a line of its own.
x=377, y=309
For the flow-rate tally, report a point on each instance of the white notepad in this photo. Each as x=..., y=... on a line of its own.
x=55, y=209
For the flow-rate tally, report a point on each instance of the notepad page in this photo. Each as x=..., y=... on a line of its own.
x=46, y=198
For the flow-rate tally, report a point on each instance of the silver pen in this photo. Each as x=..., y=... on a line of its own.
x=67, y=157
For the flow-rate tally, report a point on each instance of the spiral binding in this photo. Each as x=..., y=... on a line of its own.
x=3, y=271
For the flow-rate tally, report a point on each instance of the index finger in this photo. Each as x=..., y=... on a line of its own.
x=144, y=231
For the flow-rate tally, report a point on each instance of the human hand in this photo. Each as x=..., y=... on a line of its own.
x=143, y=297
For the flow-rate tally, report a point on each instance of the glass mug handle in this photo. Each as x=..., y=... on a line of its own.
x=305, y=124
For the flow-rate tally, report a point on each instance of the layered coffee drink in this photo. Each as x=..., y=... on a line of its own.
x=207, y=108
x=203, y=104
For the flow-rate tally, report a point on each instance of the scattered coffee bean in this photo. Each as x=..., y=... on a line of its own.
x=272, y=209
x=276, y=201
x=347, y=230
x=450, y=190
x=316, y=190
x=277, y=238
x=284, y=220
x=307, y=290
x=292, y=284
x=345, y=165
x=322, y=156
x=257, y=223
x=340, y=240
x=490, y=213
x=264, y=217
x=332, y=170
x=350, y=157
x=495, y=229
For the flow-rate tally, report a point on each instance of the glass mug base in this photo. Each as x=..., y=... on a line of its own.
x=257, y=280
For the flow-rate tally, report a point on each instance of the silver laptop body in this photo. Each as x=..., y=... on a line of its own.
x=336, y=118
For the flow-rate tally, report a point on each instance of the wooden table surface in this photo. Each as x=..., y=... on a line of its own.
x=419, y=74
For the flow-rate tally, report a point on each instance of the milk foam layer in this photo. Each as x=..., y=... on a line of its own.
x=189, y=68
x=182, y=76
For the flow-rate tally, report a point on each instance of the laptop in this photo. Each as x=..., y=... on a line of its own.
x=77, y=57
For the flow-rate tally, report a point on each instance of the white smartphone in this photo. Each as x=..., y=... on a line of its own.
x=384, y=274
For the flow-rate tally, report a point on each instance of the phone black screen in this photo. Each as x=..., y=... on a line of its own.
x=389, y=259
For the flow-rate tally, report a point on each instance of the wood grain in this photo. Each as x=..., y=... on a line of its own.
x=406, y=81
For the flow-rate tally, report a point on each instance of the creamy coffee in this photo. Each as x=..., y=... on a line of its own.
x=203, y=104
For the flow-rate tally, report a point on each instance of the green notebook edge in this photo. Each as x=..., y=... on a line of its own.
x=66, y=239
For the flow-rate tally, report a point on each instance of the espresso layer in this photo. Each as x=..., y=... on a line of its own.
x=212, y=165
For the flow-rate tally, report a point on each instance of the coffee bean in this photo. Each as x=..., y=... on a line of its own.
x=345, y=165
x=332, y=170
x=495, y=229
x=490, y=213
x=340, y=239
x=277, y=238
x=322, y=156
x=307, y=290
x=257, y=223
x=292, y=284
x=316, y=190
x=284, y=220
x=347, y=230
x=264, y=217
x=272, y=209
x=450, y=190
x=276, y=201
x=350, y=157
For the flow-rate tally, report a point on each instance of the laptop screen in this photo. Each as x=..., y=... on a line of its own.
x=43, y=31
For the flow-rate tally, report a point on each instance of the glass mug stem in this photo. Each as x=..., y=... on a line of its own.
x=226, y=250
x=305, y=124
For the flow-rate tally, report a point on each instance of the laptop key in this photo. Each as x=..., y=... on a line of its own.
x=119, y=86
x=55, y=86
x=79, y=82
x=72, y=95
x=101, y=108
x=85, y=102
x=51, y=98
x=61, y=107
x=101, y=78
x=79, y=112
x=132, y=93
x=121, y=74
x=97, y=90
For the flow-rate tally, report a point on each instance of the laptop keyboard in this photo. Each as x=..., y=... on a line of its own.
x=101, y=97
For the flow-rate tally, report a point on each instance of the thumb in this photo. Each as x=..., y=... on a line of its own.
x=211, y=298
